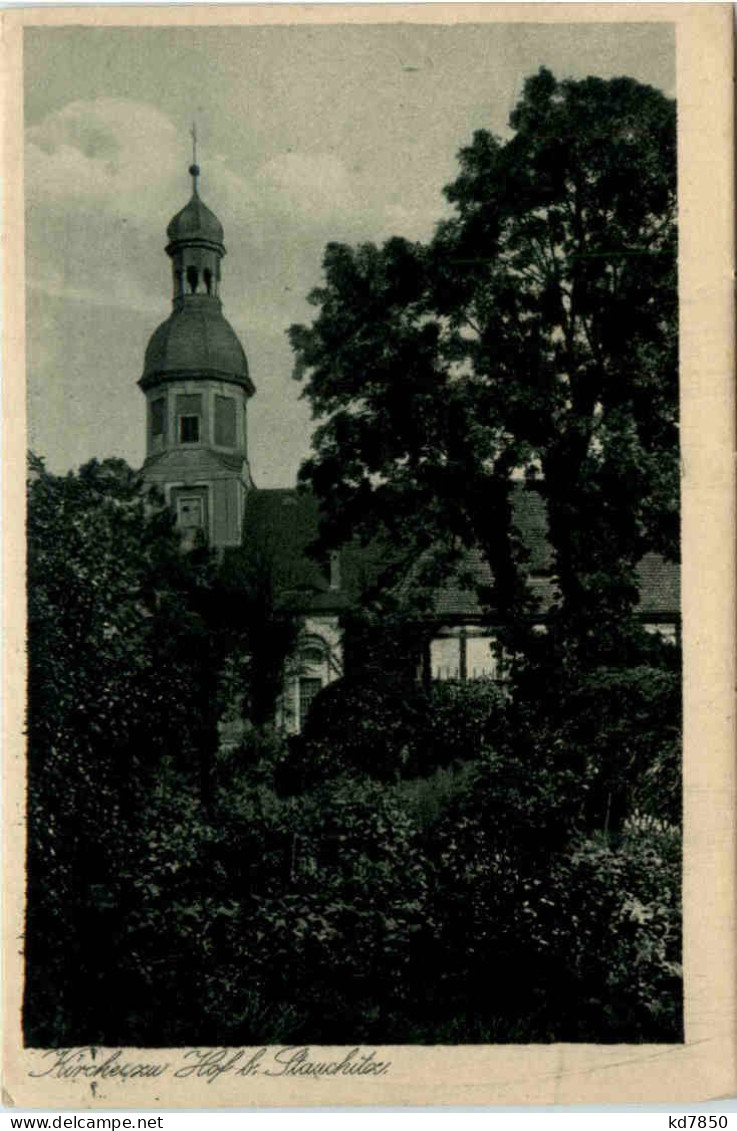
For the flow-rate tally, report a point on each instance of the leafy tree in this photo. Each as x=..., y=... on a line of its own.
x=536, y=331
x=135, y=649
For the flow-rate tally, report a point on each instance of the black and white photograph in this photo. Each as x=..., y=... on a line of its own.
x=353, y=536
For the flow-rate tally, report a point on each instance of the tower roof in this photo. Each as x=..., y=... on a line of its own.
x=195, y=222
x=196, y=340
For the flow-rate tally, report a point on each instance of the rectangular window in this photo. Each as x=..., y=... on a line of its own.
x=225, y=422
x=189, y=429
x=480, y=658
x=158, y=416
x=191, y=506
x=189, y=513
x=308, y=689
x=189, y=415
x=445, y=658
x=666, y=632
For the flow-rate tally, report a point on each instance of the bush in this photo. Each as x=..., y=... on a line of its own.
x=537, y=932
x=390, y=730
x=619, y=730
x=364, y=728
x=425, y=798
x=610, y=930
x=462, y=719
x=327, y=912
x=627, y=723
x=286, y=918
x=256, y=760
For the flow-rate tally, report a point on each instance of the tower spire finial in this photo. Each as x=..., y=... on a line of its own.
x=194, y=169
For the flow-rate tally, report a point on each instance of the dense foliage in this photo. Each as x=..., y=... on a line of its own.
x=116, y=689
x=386, y=729
x=133, y=651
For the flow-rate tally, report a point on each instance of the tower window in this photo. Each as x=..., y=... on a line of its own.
x=207, y=276
x=189, y=415
x=158, y=416
x=189, y=429
x=225, y=422
x=192, y=278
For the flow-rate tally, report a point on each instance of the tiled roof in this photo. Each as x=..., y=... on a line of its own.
x=454, y=599
x=195, y=462
x=660, y=585
x=286, y=522
x=283, y=523
x=659, y=582
x=195, y=221
x=195, y=340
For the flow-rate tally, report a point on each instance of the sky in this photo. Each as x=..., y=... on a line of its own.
x=306, y=135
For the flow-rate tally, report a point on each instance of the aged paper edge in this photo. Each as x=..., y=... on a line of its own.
x=704, y=1066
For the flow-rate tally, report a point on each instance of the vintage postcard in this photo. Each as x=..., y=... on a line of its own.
x=368, y=555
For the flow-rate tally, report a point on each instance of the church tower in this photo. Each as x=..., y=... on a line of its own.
x=197, y=387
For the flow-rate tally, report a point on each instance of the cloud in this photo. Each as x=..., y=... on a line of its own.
x=103, y=177
x=106, y=150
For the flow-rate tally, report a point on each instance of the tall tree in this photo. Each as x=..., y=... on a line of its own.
x=536, y=331
x=563, y=255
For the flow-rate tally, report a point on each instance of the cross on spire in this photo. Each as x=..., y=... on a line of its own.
x=194, y=168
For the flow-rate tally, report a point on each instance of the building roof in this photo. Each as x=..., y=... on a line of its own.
x=195, y=341
x=195, y=222
x=285, y=523
x=660, y=585
x=194, y=463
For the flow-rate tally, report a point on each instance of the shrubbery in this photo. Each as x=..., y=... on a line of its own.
x=539, y=925
x=472, y=903
x=629, y=722
x=392, y=729
x=364, y=727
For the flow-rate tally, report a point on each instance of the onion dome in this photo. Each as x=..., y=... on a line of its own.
x=195, y=221
x=195, y=341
